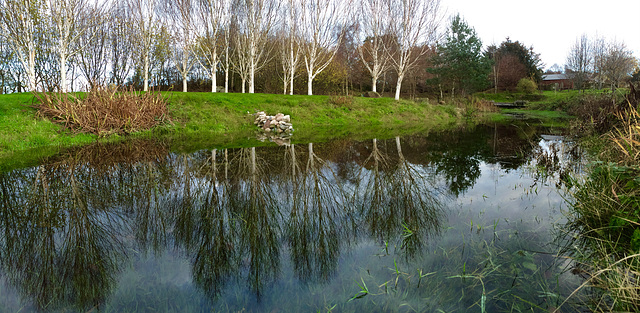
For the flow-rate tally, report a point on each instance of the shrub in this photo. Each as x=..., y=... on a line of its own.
x=527, y=85
x=104, y=111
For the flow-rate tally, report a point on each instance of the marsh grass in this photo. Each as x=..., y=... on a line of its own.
x=627, y=135
x=605, y=221
x=104, y=111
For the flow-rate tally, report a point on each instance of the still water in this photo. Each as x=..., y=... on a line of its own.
x=455, y=221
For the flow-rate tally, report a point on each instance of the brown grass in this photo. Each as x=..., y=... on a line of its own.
x=627, y=136
x=104, y=111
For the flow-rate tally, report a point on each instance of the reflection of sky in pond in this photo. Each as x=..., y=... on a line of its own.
x=491, y=245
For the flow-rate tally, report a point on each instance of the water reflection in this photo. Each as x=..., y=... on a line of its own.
x=398, y=199
x=239, y=216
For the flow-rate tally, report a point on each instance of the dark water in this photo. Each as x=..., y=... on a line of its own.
x=456, y=221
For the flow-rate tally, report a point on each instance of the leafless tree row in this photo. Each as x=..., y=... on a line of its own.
x=600, y=60
x=117, y=42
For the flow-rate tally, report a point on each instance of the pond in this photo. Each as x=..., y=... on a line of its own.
x=448, y=221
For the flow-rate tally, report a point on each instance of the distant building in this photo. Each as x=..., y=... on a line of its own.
x=559, y=81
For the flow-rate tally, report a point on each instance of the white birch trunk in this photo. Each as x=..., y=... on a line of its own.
x=310, y=85
x=399, y=87
x=374, y=83
x=226, y=70
x=146, y=73
x=213, y=80
x=63, y=72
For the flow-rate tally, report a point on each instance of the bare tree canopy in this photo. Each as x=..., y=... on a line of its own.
x=579, y=61
x=415, y=23
x=375, y=38
x=322, y=21
x=20, y=23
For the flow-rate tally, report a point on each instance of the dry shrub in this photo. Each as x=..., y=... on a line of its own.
x=104, y=111
x=596, y=112
x=627, y=135
x=341, y=101
x=482, y=105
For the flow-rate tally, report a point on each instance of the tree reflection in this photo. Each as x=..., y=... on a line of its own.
x=65, y=224
x=316, y=217
x=253, y=204
x=397, y=202
x=61, y=245
x=214, y=257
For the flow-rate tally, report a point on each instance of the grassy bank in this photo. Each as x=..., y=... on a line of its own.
x=206, y=119
x=603, y=228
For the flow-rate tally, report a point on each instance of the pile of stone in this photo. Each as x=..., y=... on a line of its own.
x=278, y=123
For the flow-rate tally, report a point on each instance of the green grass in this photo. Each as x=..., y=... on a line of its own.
x=205, y=119
x=543, y=100
x=21, y=129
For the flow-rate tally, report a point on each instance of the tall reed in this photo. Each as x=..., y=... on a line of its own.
x=604, y=223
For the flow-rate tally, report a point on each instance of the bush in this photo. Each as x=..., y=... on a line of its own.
x=527, y=85
x=104, y=111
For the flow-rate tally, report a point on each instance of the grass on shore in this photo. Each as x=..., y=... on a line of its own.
x=206, y=119
x=604, y=223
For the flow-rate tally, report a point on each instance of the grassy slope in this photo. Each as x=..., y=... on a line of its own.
x=206, y=119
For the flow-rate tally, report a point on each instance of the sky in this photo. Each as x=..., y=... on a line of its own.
x=550, y=26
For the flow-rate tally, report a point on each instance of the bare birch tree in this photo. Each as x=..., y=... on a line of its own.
x=71, y=20
x=93, y=58
x=290, y=44
x=618, y=63
x=599, y=51
x=145, y=19
x=180, y=20
x=374, y=26
x=121, y=47
x=212, y=18
x=415, y=25
x=225, y=65
x=241, y=60
x=255, y=20
x=579, y=61
x=320, y=29
x=20, y=21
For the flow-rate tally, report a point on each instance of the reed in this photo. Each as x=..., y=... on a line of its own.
x=604, y=223
x=104, y=110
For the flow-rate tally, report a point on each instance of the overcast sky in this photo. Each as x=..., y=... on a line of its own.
x=550, y=26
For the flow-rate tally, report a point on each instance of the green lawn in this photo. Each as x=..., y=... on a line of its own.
x=206, y=119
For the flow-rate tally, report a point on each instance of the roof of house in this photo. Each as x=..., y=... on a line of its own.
x=555, y=77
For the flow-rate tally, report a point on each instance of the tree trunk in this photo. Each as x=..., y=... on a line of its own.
x=213, y=80
x=63, y=72
x=184, y=83
x=31, y=70
x=284, y=86
x=292, y=69
x=398, y=87
x=226, y=69
x=374, y=84
x=310, y=85
x=146, y=73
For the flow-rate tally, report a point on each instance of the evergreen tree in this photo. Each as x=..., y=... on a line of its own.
x=459, y=63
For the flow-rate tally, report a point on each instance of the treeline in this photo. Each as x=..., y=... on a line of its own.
x=270, y=46
x=255, y=45
x=597, y=62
